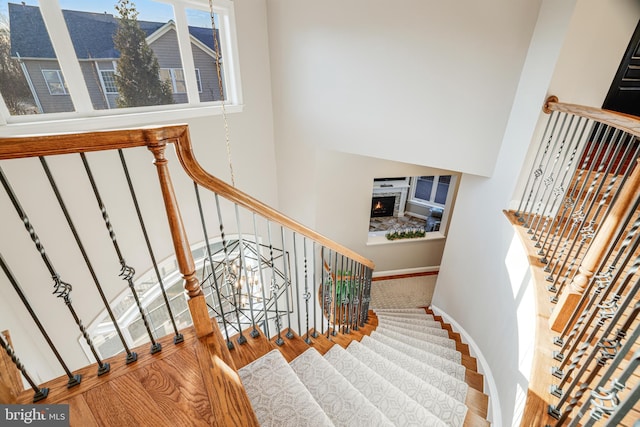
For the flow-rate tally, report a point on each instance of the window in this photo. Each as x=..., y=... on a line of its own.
x=431, y=190
x=198, y=80
x=67, y=48
x=175, y=77
x=109, y=81
x=55, y=82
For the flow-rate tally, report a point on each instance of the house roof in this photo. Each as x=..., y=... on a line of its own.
x=91, y=33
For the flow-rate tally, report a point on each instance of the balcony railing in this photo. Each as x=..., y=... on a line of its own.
x=83, y=215
x=579, y=216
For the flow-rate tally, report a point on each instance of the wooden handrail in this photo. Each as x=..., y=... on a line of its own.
x=47, y=145
x=625, y=122
x=210, y=182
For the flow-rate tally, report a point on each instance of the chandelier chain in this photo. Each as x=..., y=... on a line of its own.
x=216, y=44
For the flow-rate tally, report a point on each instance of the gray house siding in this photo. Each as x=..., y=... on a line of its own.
x=92, y=80
x=208, y=75
x=100, y=54
x=168, y=53
x=50, y=103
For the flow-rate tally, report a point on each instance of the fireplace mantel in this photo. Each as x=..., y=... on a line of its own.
x=397, y=188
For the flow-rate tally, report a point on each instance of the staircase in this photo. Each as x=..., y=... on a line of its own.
x=405, y=367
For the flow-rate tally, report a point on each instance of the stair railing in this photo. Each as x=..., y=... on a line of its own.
x=259, y=272
x=580, y=210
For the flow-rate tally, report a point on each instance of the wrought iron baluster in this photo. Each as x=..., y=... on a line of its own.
x=216, y=286
x=336, y=295
x=522, y=211
x=307, y=294
x=544, y=182
x=178, y=337
x=570, y=204
x=228, y=274
x=608, y=348
x=126, y=272
x=561, y=190
x=549, y=182
x=274, y=286
x=314, y=269
x=297, y=286
x=73, y=379
x=602, y=280
x=39, y=393
x=607, y=376
x=625, y=248
x=261, y=274
x=367, y=295
x=254, y=332
x=352, y=282
x=619, y=410
x=588, y=231
x=327, y=284
x=358, y=298
x=579, y=215
x=58, y=283
x=287, y=282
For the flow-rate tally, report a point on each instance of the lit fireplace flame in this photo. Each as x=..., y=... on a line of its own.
x=378, y=206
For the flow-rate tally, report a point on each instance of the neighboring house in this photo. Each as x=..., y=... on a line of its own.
x=92, y=37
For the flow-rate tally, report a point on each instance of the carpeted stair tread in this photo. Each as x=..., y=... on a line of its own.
x=392, y=402
x=342, y=403
x=449, y=353
x=439, y=403
x=277, y=396
x=451, y=385
x=398, y=310
x=431, y=327
x=411, y=315
x=424, y=331
x=448, y=365
x=428, y=323
x=445, y=340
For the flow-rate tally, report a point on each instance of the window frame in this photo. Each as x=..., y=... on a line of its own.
x=103, y=81
x=434, y=189
x=60, y=81
x=86, y=118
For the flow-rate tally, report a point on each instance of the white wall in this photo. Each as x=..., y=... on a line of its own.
x=406, y=82
x=253, y=155
x=495, y=273
x=343, y=197
x=414, y=81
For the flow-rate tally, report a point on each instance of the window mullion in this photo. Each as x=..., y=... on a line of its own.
x=186, y=53
x=4, y=112
x=65, y=52
x=229, y=44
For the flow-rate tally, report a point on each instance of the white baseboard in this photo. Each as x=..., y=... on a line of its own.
x=406, y=271
x=483, y=367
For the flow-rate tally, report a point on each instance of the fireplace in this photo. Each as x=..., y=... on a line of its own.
x=382, y=206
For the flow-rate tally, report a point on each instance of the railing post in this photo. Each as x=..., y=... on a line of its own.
x=572, y=294
x=197, y=304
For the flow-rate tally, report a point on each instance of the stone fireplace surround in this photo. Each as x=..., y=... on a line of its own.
x=396, y=188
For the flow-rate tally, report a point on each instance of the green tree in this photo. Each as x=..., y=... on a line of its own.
x=13, y=85
x=138, y=74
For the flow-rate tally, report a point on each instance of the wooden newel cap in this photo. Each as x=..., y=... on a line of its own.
x=546, y=108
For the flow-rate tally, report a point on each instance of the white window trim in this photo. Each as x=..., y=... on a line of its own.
x=85, y=118
x=60, y=80
x=431, y=202
x=172, y=76
x=102, y=82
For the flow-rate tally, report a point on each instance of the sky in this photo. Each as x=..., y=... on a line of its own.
x=149, y=10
